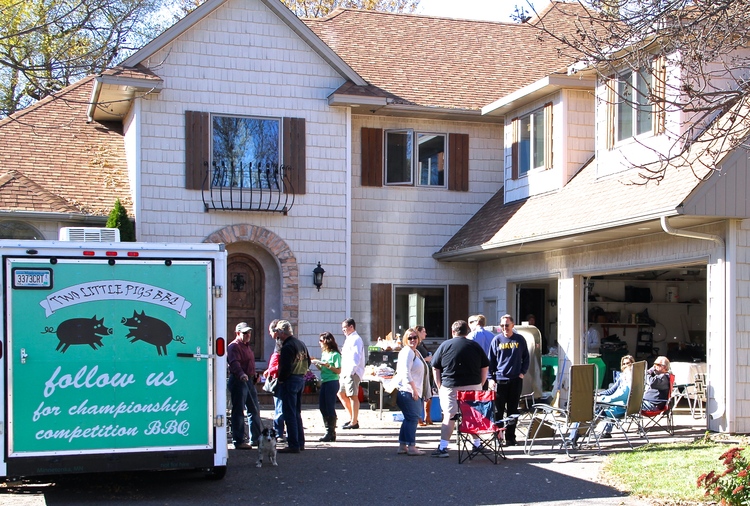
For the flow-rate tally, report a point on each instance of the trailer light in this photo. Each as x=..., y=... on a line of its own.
x=111, y=253
x=31, y=252
x=220, y=348
x=132, y=253
x=88, y=253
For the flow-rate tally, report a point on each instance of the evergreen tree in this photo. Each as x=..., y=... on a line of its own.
x=118, y=218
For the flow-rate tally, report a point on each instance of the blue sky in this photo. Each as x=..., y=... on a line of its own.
x=488, y=10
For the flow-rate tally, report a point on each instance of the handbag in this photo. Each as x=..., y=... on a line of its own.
x=271, y=385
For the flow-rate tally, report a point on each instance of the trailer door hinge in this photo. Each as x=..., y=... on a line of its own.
x=216, y=291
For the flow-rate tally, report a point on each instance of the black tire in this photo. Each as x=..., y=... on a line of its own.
x=216, y=472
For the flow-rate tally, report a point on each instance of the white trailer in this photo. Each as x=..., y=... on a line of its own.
x=114, y=357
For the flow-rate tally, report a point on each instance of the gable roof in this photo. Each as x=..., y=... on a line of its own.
x=75, y=165
x=19, y=193
x=275, y=6
x=444, y=62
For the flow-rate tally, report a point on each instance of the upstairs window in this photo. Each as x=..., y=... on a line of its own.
x=532, y=141
x=242, y=148
x=406, y=157
x=635, y=102
x=414, y=156
x=231, y=143
x=634, y=111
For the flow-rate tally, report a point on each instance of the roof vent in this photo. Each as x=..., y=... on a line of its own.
x=89, y=234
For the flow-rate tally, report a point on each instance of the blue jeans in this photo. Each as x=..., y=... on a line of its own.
x=290, y=392
x=327, y=398
x=411, y=410
x=244, y=396
x=278, y=417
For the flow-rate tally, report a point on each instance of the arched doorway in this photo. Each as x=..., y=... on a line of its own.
x=245, y=282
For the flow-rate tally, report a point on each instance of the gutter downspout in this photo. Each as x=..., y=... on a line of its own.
x=727, y=406
x=348, y=237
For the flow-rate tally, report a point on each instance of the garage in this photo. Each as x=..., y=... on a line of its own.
x=646, y=314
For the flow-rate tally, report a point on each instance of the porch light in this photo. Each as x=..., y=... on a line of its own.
x=318, y=276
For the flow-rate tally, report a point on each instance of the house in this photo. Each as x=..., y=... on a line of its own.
x=58, y=170
x=432, y=167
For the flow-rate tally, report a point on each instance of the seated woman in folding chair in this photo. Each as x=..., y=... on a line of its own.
x=617, y=392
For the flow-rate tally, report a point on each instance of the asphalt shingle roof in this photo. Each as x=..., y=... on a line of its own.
x=50, y=148
x=444, y=62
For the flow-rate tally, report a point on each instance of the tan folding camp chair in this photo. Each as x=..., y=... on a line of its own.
x=605, y=413
x=578, y=412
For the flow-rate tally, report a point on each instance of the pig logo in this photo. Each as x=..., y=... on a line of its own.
x=80, y=331
x=149, y=329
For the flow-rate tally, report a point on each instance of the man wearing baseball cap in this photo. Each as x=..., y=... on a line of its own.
x=241, y=385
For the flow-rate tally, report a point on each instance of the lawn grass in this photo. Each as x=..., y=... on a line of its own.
x=666, y=472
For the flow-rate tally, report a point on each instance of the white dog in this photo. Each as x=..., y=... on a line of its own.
x=267, y=447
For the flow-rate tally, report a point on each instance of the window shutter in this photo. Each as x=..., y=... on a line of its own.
x=372, y=157
x=610, y=107
x=458, y=162
x=294, y=154
x=458, y=303
x=659, y=92
x=514, y=126
x=548, y=153
x=197, y=143
x=381, y=302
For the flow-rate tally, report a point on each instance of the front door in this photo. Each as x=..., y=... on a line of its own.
x=245, y=298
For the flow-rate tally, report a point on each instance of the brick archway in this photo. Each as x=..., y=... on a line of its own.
x=280, y=250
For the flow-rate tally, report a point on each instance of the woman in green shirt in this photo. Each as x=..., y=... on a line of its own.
x=330, y=368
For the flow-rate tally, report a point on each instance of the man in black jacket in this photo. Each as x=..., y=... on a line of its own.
x=294, y=361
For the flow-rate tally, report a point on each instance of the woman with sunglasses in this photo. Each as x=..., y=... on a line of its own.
x=618, y=391
x=330, y=368
x=413, y=385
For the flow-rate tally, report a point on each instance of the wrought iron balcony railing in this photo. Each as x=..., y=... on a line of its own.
x=248, y=187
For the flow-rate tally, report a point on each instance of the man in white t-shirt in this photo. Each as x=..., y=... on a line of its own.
x=352, y=370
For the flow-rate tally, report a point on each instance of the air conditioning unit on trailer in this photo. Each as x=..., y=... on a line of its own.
x=89, y=234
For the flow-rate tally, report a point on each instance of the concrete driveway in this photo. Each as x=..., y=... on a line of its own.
x=360, y=468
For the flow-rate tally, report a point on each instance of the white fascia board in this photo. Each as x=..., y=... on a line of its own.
x=131, y=82
x=174, y=31
x=537, y=89
x=287, y=16
x=338, y=99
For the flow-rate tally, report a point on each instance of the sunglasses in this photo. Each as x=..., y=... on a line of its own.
x=412, y=338
x=505, y=325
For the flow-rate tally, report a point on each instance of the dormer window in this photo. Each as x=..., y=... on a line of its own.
x=633, y=114
x=532, y=141
x=635, y=103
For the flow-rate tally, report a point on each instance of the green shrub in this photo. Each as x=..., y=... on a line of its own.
x=118, y=218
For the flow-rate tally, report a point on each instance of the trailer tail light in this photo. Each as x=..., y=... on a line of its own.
x=132, y=253
x=220, y=346
x=89, y=253
x=111, y=253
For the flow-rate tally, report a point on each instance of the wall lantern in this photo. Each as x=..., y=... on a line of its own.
x=318, y=276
